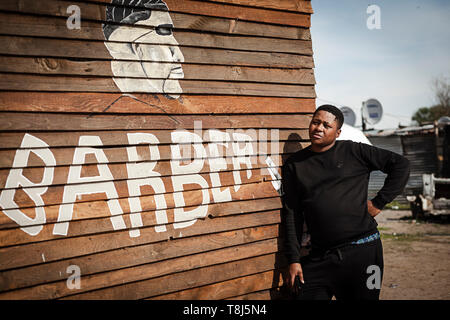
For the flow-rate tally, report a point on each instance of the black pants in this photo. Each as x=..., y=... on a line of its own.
x=353, y=272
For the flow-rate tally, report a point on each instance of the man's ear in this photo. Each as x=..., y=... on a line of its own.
x=338, y=133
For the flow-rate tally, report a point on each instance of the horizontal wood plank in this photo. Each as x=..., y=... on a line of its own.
x=13, y=140
x=257, y=295
x=119, y=171
x=80, y=185
x=21, y=82
x=54, y=193
x=89, y=102
x=64, y=248
x=65, y=156
x=223, y=10
x=288, y=5
x=148, y=204
x=125, y=258
x=100, y=68
x=229, y=288
x=79, y=49
x=183, y=280
x=97, y=12
x=56, y=27
x=15, y=236
x=15, y=121
x=153, y=270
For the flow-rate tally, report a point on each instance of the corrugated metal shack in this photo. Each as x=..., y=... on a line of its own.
x=135, y=139
x=423, y=146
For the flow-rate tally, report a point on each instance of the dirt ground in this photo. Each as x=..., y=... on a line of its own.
x=416, y=256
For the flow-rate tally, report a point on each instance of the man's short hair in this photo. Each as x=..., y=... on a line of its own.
x=333, y=110
x=129, y=12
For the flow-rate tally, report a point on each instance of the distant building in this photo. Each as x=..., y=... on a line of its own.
x=426, y=147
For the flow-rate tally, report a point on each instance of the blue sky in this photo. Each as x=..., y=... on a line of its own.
x=395, y=64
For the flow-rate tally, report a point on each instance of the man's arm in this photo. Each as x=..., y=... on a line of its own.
x=292, y=219
x=394, y=165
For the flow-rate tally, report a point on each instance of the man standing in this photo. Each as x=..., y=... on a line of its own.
x=325, y=185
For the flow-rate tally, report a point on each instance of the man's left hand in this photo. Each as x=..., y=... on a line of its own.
x=373, y=211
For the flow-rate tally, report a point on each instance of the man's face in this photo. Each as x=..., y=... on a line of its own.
x=323, y=129
x=157, y=57
x=165, y=49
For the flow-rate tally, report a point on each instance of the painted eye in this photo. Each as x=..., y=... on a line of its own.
x=164, y=29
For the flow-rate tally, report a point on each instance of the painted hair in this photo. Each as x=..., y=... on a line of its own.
x=129, y=12
x=333, y=110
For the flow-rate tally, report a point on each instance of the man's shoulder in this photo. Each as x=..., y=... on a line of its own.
x=298, y=156
x=348, y=145
x=306, y=153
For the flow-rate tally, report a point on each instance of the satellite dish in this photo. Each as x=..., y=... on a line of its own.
x=349, y=116
x=372, y=111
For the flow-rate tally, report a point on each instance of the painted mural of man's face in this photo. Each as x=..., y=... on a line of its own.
x=157, y=58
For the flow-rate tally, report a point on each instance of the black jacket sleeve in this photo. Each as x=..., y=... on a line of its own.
x=292, y=215
x=394, y=165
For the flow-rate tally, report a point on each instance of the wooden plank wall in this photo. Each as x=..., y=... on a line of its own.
x=148, y=184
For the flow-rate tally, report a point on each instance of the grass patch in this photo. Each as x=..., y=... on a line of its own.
x=403, y=237
x=395, y=205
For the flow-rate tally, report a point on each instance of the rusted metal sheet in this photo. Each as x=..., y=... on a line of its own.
x=392, y=143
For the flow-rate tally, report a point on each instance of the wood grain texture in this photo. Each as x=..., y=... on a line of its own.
x=288, y=5
x=63, y=248
x=96, y=12
x=94, y=102
x=55, y=27
x=65, y=156
x=54, y=193
x=21, y=82
x=100, y=68
x=119, y=171
x=79, y=49
x=12, y=121
x=91, y=226
x=148, y=203
x=152, y=270
x=13, y=140
x=186, y=279
x=77, y=190
x=229, y=288
x=129, y=257
x=223, y=10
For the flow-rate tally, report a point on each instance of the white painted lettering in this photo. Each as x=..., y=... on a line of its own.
x=241, y=155
x=178, y=180
x=139, y=175
x=217, y=163
x=17, y=179
x=77, y=185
